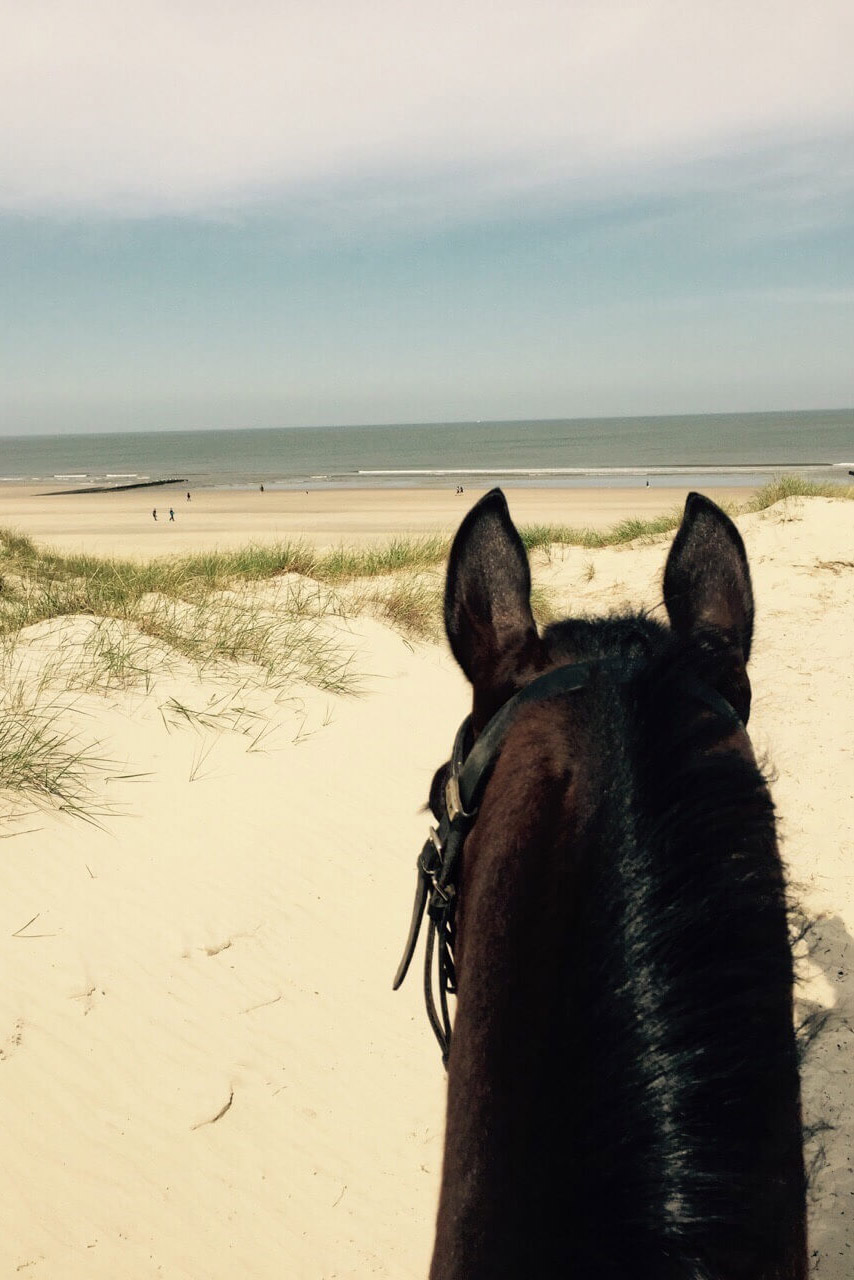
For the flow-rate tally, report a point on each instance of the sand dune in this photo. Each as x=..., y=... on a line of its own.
x=203, y=1068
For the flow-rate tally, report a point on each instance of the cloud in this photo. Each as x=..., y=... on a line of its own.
x=767, y=192
x=177, y=106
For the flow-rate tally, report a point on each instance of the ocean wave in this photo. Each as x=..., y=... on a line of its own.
x=651, y=470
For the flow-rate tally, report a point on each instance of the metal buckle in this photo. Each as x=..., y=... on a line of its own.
x=446, y=893
x=453, y=800
x=431, y=870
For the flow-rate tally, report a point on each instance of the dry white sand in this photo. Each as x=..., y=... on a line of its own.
x=203, y=1069
x=121, y=523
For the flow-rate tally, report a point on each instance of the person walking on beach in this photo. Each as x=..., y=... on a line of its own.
x=171, y=514
x=188, y=495
x=154, y=513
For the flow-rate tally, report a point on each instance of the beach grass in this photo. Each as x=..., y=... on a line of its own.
x=41, y=760
x=260, y=614
x=795, y=486
x=39, y=584
x=398, y=555
x=633, y=529
x=411, y=604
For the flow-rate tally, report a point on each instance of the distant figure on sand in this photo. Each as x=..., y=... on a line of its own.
x=188, y=495
x=171, y=514
x=262, y=488
x=154, y=513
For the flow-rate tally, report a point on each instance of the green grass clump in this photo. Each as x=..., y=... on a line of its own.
x=223, y=630
x=253, y=563
x=411, y=605
x=795, y=486
x=396, y=556
x=185, y=605
x=539, y=537
x=41, y=761
x=542, y=536
x=632, y=530
x=114, y=656
x=14, y=543
x=543, y=605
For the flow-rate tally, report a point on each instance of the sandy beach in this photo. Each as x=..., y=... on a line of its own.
x=204, y=1070
x=121, y=523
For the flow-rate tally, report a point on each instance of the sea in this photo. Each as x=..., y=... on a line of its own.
x=703, y=449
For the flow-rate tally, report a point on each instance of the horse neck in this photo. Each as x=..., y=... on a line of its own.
x=567, y=1085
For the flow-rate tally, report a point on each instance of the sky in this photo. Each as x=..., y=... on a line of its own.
x=285, y=213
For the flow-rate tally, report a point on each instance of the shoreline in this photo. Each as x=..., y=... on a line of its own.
x=120, y=522
x=699, y=475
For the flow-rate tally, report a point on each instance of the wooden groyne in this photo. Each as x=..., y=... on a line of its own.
x=114, y=488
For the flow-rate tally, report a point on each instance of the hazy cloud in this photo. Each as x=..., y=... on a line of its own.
x=193, y=105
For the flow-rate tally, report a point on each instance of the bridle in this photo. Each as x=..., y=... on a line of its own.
x=470, y=767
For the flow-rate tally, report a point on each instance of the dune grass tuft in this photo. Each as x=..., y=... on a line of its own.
x=186, y=605
x=400, y=554
x=41, y=761
x=794, y=486
x=542, y=536
x=409, y=604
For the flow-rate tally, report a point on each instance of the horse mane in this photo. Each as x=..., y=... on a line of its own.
x=679, y=975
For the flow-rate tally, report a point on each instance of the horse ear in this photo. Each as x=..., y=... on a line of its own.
x=488, y=594
x=708, y=594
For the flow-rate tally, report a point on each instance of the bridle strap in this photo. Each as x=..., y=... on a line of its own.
x=435, y=888
x=434, y=857
x=483, y=755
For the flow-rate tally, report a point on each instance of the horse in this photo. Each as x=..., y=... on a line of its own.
x=607, y=902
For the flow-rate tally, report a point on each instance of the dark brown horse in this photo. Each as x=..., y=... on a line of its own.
x=608, y=903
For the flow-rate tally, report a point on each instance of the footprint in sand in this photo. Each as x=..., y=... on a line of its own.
x=12, y=1041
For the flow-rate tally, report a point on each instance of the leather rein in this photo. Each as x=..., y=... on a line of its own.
x=437, y=866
